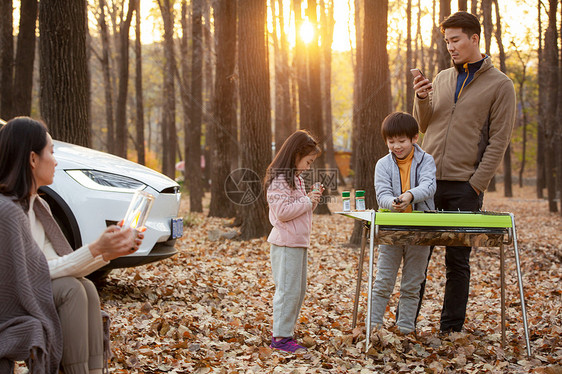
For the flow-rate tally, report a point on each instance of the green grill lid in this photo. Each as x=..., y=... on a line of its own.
x=444, y=219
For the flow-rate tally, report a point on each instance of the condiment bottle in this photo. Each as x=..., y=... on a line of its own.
x=345, y=196
x=359, y=200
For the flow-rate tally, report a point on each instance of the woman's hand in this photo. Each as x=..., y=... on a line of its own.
x=115, y=242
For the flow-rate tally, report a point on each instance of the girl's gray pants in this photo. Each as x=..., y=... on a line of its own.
x=288, y=265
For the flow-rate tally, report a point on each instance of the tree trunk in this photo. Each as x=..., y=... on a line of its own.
x=301, y=70
x=255, y=134
x=289, y=122
x=488, y=30
x=115, y=12
x=444, y=59
x=507, y=181
x=521, y=80
x=107, y=85
x=141, y=158
x=6, y=58
x=488, y=26
x=25, y=56
x=436, y=37
x=184, y=81
x=236, y=155
x=376, y=83
x=169, y=136
x=209, y=41
x=474, y=7
x=524, y=137
x=223, y=130
x=278, y=124
x=409, y=89
x=64, y=73
x=357, y=71
x=149, y=129
x=315, y=101
x=400, y=103
x=193, y=150
x=284, y=119
x=551, y=125
x=121, y=133
x=559, y=116
x=541, y=175
x=288, y=92
x=327, y=27
x=419, y=50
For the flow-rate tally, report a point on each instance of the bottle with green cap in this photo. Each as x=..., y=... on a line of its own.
x=360, y=200
x=346, y=198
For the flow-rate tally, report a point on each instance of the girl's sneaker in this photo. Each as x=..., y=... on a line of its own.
x=287, y=345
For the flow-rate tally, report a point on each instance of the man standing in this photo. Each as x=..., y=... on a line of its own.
x=467, y=115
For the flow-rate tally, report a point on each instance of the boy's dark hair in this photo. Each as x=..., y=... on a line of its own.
x=399, y=124
x=464, y=20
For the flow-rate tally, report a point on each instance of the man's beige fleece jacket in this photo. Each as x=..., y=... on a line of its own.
x=468, y=138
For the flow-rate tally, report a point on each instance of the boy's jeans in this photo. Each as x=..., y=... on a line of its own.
x=413, y=273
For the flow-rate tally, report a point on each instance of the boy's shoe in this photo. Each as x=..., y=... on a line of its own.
x=287, y=345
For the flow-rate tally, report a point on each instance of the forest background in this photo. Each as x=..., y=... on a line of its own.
x=219, y=79
x=214, y=85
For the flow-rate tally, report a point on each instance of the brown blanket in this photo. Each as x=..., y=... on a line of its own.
x=29, y=325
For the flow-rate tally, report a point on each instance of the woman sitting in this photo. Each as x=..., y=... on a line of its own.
x=27, y=162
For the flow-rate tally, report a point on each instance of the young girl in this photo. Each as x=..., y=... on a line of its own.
x=290, y=213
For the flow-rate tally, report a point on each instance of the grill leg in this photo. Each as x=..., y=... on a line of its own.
x=359, y=276
x=502, y=287
x=520, y=279
x=370, y=287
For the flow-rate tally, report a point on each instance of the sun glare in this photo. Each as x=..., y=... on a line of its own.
x=306, y=32
x=344, y=28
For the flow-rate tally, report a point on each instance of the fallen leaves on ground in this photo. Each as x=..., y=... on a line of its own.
x=208, y=309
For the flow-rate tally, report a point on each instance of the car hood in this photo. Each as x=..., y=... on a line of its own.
x=71, y=156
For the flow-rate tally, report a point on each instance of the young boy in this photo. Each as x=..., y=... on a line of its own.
x=404, y=181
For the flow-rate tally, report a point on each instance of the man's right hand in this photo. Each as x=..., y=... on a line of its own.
x=422, y=86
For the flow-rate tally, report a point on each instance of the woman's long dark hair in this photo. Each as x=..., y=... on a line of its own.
x=300, y=144
x=18, y=138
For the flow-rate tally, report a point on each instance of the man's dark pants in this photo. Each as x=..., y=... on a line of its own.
x=455, y=196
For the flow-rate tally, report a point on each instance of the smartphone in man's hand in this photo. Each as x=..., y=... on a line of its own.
x=415, y=72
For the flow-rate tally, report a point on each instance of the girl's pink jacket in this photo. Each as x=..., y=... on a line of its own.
x=290, y=213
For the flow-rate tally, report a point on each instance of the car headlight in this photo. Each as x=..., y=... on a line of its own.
x=103, y=181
